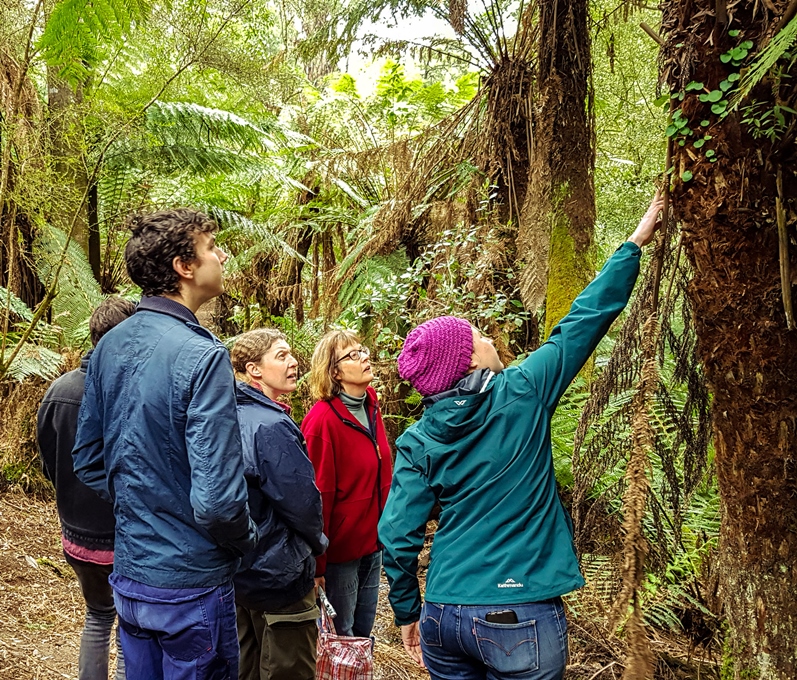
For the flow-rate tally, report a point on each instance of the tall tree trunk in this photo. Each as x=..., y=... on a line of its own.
x=557, y=229
x=93, y=224
x=19, y=113
x=67, y=142
x=728, y=212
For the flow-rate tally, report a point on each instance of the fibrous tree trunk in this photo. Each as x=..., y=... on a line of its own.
x=68, y=144
x=728, y=210
x=19, y=112
x=558, y=219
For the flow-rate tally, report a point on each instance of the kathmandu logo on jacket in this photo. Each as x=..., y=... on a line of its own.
x=461, y=403
x=510, y=583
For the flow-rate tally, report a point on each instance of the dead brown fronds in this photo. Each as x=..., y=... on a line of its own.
x=649, y=402
x=19, y=455
x=639, y=662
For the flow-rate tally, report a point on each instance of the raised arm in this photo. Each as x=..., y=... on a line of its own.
x=401, y=531
x=553, y=366
x=402, y=528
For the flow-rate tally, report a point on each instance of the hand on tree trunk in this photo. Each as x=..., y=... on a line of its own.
x=649, y=223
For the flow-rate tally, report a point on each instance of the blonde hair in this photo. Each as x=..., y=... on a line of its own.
x=323, y=383
x=251, y=346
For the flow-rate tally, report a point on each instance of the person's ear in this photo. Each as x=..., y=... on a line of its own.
x=253, y=369
x=184, y=269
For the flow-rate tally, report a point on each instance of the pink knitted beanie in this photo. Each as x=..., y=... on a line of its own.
x=436, y=354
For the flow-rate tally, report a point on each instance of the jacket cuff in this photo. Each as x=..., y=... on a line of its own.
x=630, y=246
x=407, y=620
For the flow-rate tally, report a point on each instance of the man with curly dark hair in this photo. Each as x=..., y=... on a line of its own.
x=158, y=433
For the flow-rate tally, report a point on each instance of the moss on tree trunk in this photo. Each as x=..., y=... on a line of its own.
x=558, y=218
x=570, y=267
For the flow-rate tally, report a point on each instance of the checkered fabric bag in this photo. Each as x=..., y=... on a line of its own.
x=341, y=657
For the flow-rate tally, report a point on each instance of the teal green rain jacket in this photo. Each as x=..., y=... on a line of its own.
x=485, y=456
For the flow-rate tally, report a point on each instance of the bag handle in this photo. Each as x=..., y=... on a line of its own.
x=327, y=612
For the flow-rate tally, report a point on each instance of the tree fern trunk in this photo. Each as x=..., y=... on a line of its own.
x=19, y=116
x=728, y=213
x=67, y=143
x=557, y=229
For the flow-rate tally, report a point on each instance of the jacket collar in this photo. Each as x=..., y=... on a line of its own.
x=84, y=360
x=340, y=409
x=164, y=305
x=473, y=383
x=246, y=393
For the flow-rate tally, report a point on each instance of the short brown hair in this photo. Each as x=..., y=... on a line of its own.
x=323, y=383
x=108, y=314
x=251, y=346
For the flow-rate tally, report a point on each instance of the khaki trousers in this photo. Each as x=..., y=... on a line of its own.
x=279, y=644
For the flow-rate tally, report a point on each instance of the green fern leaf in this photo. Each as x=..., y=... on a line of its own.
x=14, y=305
x=78, y=291
x=77, y=31
x=34, y=361
x=765, y=61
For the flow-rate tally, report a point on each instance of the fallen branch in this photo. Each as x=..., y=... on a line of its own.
x=783, y=254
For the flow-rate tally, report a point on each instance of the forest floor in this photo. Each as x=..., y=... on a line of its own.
x=41, y=609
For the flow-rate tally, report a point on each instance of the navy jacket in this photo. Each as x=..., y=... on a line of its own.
x=86, y=519
x=158, y=434
x=284, y=501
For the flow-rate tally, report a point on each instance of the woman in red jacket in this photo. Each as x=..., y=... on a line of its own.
x=347, y=444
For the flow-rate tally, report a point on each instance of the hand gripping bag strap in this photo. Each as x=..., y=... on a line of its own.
x=341, y=657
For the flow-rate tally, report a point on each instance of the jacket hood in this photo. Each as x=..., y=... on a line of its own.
x=455, y=413
x=84, y=360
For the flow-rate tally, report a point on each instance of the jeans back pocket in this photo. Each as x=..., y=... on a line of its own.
x=431, y=615
x=508, y=647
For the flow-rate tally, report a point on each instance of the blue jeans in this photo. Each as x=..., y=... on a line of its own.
x=353, y=589
x=457, y=642
x=100, y=616
x=177, y=634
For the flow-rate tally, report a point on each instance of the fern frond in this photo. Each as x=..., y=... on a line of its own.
x=34, y=361
x=77, y=30
x=230, y=221
x=16, y=306
x=371, y=273
x=168, y=159
x=182, y=122
x=78, y=291
x=765, y=61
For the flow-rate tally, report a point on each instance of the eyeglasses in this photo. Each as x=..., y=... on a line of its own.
x=355, y=355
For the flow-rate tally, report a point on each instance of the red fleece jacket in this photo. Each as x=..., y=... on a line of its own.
x=353, y=472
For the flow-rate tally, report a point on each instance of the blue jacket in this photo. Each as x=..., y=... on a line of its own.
x=158, y=434
x=284, y=501
x=483, y=452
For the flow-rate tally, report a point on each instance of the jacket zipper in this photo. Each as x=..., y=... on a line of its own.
x=373, y=441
